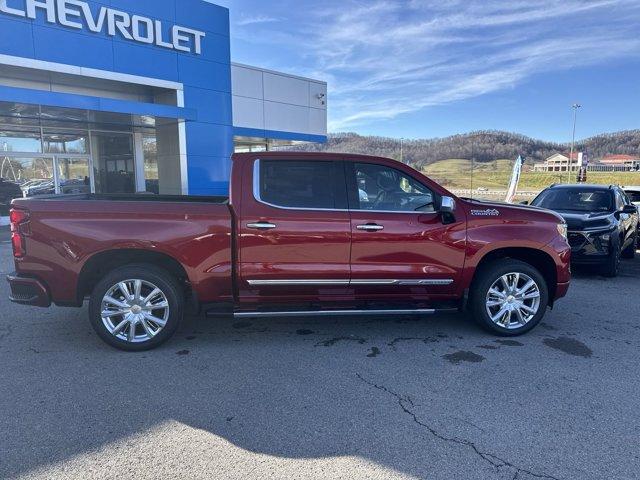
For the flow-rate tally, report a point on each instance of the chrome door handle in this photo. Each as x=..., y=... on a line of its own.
x=370, y=227
x=261, y=225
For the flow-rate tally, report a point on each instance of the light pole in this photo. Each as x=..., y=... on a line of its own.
x=575, y=107
x=402, y=150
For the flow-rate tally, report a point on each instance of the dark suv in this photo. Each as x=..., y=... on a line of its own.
x=8, y=192
x=602, y=223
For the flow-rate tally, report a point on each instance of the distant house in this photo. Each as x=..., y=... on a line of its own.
x=621, y=162
x=558, y=162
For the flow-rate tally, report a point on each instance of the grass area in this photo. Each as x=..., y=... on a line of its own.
x=463, y=174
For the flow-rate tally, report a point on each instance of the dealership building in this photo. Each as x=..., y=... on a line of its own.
x=123, y=96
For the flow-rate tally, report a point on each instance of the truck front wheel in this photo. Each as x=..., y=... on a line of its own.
x=136, y=307
x=509, y=297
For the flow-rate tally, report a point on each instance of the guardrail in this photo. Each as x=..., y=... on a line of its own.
x=491, y=193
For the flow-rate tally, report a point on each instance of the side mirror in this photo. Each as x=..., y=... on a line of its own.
x=447, y=205
x=525, y=202
x=630, y=209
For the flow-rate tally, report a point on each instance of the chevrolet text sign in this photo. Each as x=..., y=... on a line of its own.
x=72, y=13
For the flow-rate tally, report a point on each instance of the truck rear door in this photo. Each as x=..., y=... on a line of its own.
x=294, y=229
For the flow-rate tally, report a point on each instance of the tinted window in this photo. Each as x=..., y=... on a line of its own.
x=575, y=199
x=299, y=184
x=387, y=189
x=634, y=196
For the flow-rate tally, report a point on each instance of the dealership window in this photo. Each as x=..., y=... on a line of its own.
x=113, y=162
x=73, y=175
x=22, y=140
x=150, y=152
x=74, y=142
x=34, y=174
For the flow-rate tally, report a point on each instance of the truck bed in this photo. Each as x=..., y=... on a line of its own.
x=74, y=234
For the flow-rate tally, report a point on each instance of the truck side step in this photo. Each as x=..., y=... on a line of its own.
x=332, y=313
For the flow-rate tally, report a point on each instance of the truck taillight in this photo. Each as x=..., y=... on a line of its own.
x=19, y=225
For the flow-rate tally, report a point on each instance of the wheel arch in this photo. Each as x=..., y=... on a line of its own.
x=100, y=264
x=540, y=260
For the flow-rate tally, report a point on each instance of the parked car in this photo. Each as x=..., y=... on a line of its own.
x=602, y=222
x=296, y=238
x=8, y=191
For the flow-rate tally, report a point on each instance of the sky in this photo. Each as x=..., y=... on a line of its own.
x=433, y=68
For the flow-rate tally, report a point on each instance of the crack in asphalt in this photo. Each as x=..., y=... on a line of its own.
x=406, y=403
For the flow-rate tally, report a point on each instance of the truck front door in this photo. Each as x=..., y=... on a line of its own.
x=402, y=247
x=294, y=230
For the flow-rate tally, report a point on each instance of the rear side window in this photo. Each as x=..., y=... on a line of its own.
x=302, y=184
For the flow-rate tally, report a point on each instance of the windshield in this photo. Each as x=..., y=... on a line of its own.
x=575, y=200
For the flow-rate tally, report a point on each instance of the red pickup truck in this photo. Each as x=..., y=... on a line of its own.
x=301, y=234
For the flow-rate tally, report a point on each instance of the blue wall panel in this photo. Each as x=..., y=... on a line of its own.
x=209, y=75
x=219, y=107
x=67, y=46
x=12, y=30
x=208, y=138
x=203, y=16
x=156, y=9
x=146, y=61
x=209, y=175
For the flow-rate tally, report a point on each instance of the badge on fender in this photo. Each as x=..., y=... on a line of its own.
x=490, y=212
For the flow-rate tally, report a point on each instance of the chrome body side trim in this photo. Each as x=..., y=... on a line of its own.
x=425, y=282
x=330, y=313
x=373, y=282
x=265, y=283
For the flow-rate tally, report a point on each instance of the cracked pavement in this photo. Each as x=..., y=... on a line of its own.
x=395, y=397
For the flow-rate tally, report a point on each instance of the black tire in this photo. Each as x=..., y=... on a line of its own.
x=611, y=268
x=152, y=275
x=630, y=251
x=485, y=279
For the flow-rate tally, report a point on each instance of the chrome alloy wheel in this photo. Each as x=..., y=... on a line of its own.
x=134, y=310
x=513, y=300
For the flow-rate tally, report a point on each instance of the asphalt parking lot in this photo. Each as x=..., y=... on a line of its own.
x=432, y=397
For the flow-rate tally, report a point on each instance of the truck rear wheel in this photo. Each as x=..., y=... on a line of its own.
x=136, y=307
x=509, y=297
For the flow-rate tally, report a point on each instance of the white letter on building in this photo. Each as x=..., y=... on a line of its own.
x=64, y=12
x=11, y=11
x=180, y=35
x=48, y=5
x=159, y=40
x=97, y=24
x=138, y=36
x=121, y=25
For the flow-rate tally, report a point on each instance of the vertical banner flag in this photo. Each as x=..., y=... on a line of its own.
x=583, y=165
x=515, y=179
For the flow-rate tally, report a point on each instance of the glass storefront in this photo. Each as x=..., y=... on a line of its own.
x=45, y=150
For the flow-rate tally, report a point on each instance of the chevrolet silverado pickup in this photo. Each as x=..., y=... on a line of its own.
x=300, y=234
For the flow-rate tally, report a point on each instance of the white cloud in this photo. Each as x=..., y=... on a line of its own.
x=388, y=58
x=256, y=20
